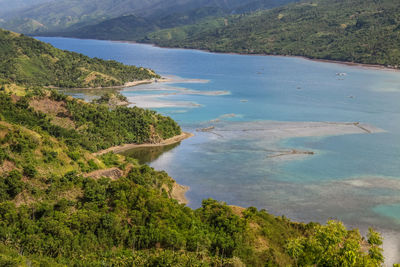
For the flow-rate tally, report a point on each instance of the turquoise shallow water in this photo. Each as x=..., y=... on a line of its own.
x=354, y=178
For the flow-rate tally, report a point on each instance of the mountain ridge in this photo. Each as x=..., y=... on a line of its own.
x=357, y=31
x=70, y=15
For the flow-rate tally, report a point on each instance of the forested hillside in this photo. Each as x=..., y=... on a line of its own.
x=81, y=17
x=132, y=27
x=135, y=27
x=24, y=60
x=363, y=31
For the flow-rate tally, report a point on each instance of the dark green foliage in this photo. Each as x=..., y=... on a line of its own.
x=110, y=159
x=227, y=226
x=363, y=31
x=24, y=60
x=49, y=156
x=108, y=97
x=10, y=185
x=30, y=171
x=92, y=165
x=74, y=155
x=3, y=155
x=18, y=141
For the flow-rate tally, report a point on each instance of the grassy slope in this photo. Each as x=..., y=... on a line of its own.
x=363, y=31
x=24, y=60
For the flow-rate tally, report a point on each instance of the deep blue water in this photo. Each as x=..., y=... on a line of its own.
x=354, y=178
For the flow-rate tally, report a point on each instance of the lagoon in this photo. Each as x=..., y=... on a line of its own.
x=262, y=108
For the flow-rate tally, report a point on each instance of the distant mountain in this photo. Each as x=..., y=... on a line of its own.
x=63, y=14
x=363, y=31
x=12, y=5
x=75, y=15
x=133, y=27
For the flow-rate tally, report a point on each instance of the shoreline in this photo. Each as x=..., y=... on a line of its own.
x=126, y=85
x=332, y=61
x=122, y=148
x=347, y=63
x=178, y=192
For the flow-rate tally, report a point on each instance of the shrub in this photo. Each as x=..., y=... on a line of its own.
x=30, y=171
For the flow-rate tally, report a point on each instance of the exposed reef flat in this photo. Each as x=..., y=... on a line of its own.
x=269, y=133
x=275, y=130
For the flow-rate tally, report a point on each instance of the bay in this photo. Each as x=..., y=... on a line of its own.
x=262, y=108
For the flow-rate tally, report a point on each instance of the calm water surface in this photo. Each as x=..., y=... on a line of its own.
x=354, y=178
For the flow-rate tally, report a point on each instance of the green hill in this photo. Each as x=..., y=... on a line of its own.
x=363, y=31
x=24, y=60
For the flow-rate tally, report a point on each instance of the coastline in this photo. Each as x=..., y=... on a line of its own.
x=332, y=61
x=122, y=148
x=126, y=85
x=178, y=192
x=347, y=63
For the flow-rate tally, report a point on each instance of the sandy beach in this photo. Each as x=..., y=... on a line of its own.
x=134, y=83
x=122, y=148
x=128, y=84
